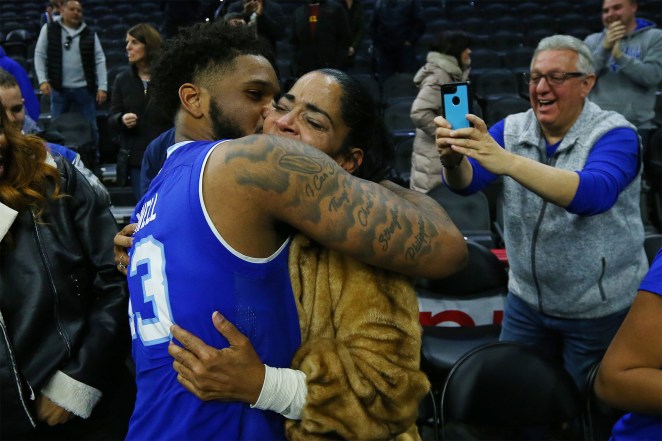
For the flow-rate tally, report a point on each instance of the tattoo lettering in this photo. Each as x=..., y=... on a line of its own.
x=364, y=212
x=337, y=203
x=318, y=181
x=421, y=239
x=385, y=237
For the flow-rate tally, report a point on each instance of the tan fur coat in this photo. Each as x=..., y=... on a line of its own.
x=360, y=349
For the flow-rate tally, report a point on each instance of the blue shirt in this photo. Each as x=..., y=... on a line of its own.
x=155, y=155
x=181, y=271
x=32, y=107
x=610, y=167
x=638, y=426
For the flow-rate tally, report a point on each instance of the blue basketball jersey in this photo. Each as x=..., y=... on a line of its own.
x=182, y=271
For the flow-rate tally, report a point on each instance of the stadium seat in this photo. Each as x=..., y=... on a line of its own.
x=397, y=118
x=507, y=391
x=652, y=244
x=78, y=135
x=598, y=418
x=370, y=83
x=484, y=58
x=462, y=298
x=499, y=108
x=493, y=83
x=471, y=214
x=402, y=164
x=398, y=85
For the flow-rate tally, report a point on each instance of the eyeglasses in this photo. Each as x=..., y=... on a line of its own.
x=67, y=44
x=553, y=78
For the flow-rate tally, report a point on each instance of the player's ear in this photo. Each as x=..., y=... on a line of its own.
x=192, y=99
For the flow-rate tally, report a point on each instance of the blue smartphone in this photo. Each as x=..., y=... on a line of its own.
x=456, y=103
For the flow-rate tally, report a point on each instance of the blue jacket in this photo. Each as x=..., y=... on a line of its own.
x=24, y=83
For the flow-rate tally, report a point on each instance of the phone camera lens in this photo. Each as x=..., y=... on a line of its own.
x=456, y=100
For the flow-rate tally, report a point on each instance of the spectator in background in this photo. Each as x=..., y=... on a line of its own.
x=354, y=9
x=52, y=12
x=132, y=112
x=448, y=61
x=21, y=76
x=630, y=375
x=628, y=62
x=71, y=65
x=320, y=36
x=154, y=157
x=267, y=17
x=571, y=195
x=62, y=302
x=11, y=99
x=178, y=14
x=396, y=27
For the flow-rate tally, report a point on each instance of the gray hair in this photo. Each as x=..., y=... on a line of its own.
x=567, y=42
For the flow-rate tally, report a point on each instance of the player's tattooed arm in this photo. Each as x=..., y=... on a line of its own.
x=383, y=225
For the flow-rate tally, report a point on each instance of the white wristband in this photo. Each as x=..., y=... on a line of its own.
x=284, y=391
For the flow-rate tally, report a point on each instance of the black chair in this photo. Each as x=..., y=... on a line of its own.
x=397, y=118
x=484, y=58
x=78, y=135
x=507, y=391
x=397, y=86
x=402, y=164
x=653, y=174
x=534, y=35
x=492, y=83
x=471, y=214
x=598, y=418
x=652, y=245
x=518, y=57
x=501, y=107
x=504, y=40
x=370, y=83
x=442, y=346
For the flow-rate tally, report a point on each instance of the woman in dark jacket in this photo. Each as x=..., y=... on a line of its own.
x=320, y=36
x=354, y=10
x=63, y=332
x=132, y=113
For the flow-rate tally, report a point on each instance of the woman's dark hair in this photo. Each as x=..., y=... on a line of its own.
x=366, y=127
x=150, y=37
x=452, y=43
x=195, y=52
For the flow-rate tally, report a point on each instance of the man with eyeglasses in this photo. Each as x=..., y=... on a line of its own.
x=71, y=65
x=628, y=63
x=572, y=222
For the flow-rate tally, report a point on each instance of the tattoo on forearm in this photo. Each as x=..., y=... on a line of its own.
x=364, y=211
x=316, y=184
x=421, y=239
x=385, y=237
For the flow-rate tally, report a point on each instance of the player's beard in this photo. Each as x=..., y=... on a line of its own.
x=224, y=127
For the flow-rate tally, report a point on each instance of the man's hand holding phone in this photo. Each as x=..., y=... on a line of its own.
x=449, y=158
x=474, y=142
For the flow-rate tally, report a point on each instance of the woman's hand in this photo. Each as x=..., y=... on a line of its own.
x=123, y=241
x=51, y=413
x=130, y=120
